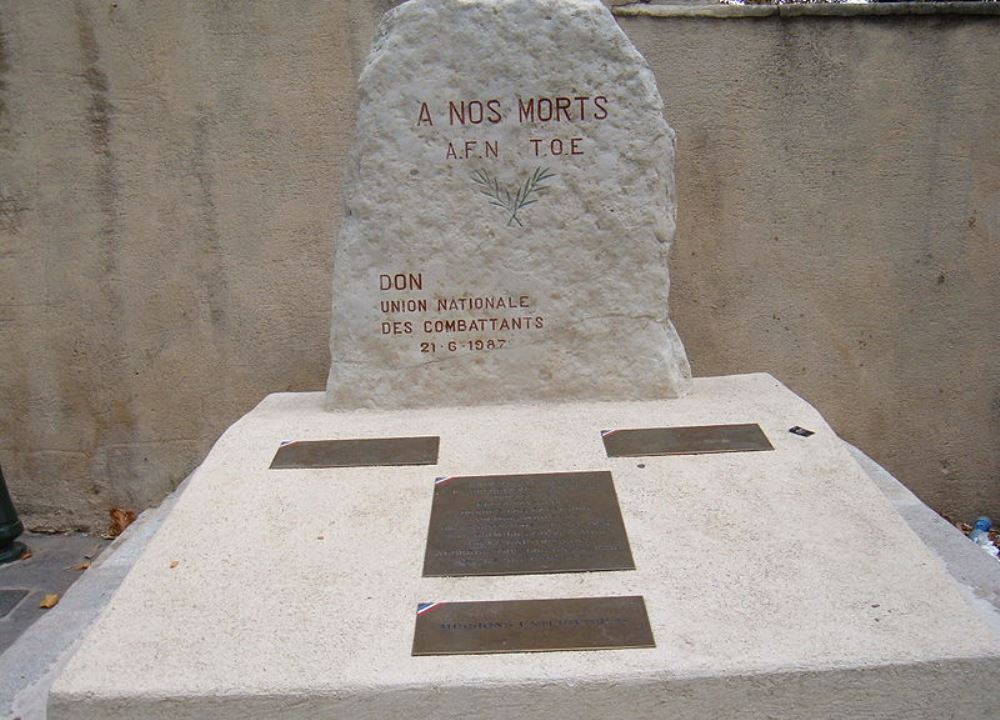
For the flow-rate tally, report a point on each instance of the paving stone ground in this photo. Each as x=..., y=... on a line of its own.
x=28, y=667
x=49, y=570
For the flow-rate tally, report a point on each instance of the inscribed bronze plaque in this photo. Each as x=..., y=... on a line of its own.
x=520, y=524
x=356, y=453
x=685, y=440
x=506, y=626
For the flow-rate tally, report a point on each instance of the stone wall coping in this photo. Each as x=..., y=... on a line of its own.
x=725, y=12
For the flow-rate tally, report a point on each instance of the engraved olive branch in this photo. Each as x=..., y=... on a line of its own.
x=513, y=203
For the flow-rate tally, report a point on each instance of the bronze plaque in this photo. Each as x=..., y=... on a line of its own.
x=520, y=524
x=685, y=440
x=356, y=453
x=507, y=626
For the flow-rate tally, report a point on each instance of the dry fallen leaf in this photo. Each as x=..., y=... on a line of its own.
x=49, y=601
x=26, y=554
x=174, y=563
x=82, y=566
x=120, y=519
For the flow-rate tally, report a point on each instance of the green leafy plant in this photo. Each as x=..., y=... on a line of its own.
x=513, y=202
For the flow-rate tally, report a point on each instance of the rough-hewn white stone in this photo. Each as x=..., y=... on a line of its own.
x=464, y=103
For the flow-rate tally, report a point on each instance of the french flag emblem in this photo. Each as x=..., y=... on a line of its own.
x=426, y=607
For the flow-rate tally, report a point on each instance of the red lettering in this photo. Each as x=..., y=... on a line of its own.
x=401, y=281
x=526, y=112
x=397, y=328
x=425, y=115
x=546, y=114
x=562, y=108
x=494, y=107
x=601, y=102
x=475, y=112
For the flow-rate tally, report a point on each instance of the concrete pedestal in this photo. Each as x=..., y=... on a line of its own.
x=779, y=584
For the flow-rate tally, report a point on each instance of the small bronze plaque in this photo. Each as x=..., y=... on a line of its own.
x=356, y=453
x=507, y=626
x=685, y=440
x=519, y=524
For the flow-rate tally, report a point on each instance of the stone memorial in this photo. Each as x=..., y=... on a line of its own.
x=510, y=208
x=500, y=316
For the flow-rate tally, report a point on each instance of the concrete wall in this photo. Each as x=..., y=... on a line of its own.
x=169, y=193
x=839, y=225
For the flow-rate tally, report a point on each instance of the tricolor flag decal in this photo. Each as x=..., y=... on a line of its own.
x=424, y=608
